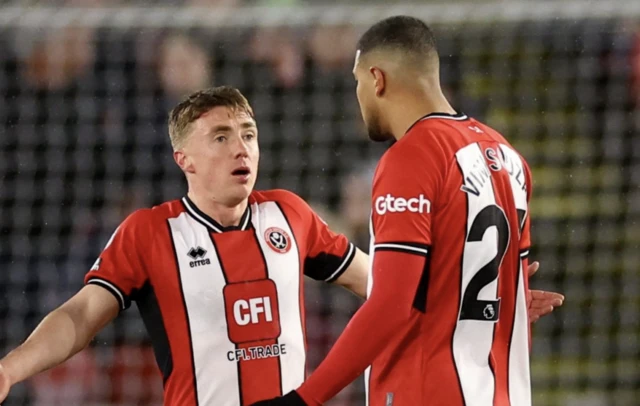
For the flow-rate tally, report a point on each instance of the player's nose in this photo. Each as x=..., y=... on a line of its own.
x=240, y=149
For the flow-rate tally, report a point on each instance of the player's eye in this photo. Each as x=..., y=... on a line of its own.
x=249, y=136
x=220, y=138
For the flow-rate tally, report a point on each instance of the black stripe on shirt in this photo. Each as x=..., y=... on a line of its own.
x=123, y=300
x=399, y=246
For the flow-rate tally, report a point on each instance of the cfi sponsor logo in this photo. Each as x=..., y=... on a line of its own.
x=392, y=204
x=278, y=240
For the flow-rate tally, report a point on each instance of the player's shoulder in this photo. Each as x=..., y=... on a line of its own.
x=281, y=197
x=430, y=133
x=292, y=206
x=491, y=132
x=155, y=216
x=445, y=134
x=422, y=146
x=443, y=120
x=497, y=137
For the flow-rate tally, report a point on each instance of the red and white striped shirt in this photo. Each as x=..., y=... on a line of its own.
x=223, y=305
x=446, y=320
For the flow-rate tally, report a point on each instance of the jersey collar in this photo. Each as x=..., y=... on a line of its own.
x=445, y=116
x=211, y=224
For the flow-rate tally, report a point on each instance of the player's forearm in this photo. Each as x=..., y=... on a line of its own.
x=56, y=339
x=356, y=275
x=388, y=311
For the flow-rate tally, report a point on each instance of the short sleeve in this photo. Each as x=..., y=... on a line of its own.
x=405, y=188
x=121, y=268
x=326, y=254
x=329, y=253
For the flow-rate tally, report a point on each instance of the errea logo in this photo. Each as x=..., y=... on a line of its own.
x=391, y=204
x=198, y=255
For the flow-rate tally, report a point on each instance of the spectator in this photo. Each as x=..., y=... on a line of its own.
x=184, y=66
x=355, y=206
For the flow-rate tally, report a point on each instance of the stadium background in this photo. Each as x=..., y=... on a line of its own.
x=85, y=87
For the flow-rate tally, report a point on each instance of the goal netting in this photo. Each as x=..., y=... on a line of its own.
x=83, y=142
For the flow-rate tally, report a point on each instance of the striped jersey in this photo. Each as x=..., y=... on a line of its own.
x=456, y=192
x=223, y=305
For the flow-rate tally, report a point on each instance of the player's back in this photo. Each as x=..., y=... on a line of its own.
x=468, y=340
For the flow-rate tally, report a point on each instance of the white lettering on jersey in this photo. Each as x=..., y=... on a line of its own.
x=519, y=378
x=217, y=378
x=514, y=167
x=393, y=204
x=255, y=306
x=488, y=239
x=479, y=301
x=476, y=176
x=238, y=308
x=507, y=159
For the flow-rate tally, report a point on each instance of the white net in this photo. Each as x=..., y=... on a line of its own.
x=83, y=142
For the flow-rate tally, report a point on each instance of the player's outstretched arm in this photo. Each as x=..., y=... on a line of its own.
x=61, y=334
x=355, y=276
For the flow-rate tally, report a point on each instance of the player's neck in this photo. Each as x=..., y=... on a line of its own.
x=226, y=216
x=415, y=106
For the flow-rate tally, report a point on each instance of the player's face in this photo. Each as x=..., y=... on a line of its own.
x=368, y=100
x=221, y=154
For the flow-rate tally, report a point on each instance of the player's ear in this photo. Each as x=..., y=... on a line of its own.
x=379, y=82
x=183, y=161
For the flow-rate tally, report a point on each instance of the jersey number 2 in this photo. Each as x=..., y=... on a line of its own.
x=472, y=308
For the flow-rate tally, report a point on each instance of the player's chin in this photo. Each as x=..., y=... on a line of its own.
x=241, y=190
x=379, y=136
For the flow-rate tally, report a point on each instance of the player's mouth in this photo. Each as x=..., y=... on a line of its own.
x=242, y=173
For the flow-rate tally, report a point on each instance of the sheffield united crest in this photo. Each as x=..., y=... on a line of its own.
x=278, y=240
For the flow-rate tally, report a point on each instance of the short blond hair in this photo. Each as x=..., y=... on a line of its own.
x=198, y=103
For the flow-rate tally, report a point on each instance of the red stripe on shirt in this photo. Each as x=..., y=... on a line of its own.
x=242, y=260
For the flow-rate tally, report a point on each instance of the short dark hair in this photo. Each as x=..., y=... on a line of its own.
x=403, y=33
x=200, y=102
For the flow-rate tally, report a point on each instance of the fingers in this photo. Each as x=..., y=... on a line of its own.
x=537, y=304
x=543, y=303
x=540, y=302
x=4, y=389
x=542, y=309
x=555, y=300
x=533, y=268
x=539, y=296
x=536, y=313
x=5, y=384
x=533, y=318
x=544, y=294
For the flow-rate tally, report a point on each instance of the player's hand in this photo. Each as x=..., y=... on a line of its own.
x=290, y=399
x=5, y=384
x=540, y=302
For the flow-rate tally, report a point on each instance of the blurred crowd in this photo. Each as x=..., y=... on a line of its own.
x=83, y=143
